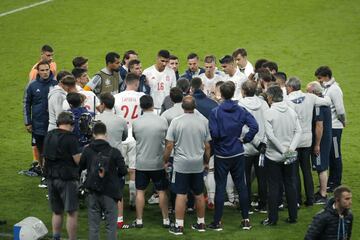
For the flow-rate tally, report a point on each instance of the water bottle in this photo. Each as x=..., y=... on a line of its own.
x=318, y=160
x=261, y=160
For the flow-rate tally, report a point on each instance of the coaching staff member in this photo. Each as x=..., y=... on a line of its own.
x=62, y=156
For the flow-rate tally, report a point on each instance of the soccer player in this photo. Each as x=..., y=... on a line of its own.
x=233, y=74
x=193, y=67
x=321, y=145
x=210, y=77
x=108, y=78
x=161, y=79
x=191, y=153
x=127, y=105
x=149, y=131
x=333, y=90
x=47, y=54
x=303, y=104
x=240, y=56
x=80, y=62
x=174, y=65
x=204, y=104
x=271, y=66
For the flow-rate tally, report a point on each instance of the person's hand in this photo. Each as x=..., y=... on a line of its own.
x=262, y=148
x=29, y=128
x=101, y=172
x=206, y=167
x=317, y=150
x=166, y=165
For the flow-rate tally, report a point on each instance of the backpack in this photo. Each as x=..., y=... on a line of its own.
x=100, y=162
x=86, y=123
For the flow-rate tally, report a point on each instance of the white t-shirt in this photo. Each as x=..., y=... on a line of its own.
x=238, y=78
x=160, y=83
x=89, y=102
x=209, y=84
x=127, y=105
x=249, y=69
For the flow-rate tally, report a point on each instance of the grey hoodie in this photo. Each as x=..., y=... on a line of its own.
x=56, y=98
x=283, y=131
x=257, y=107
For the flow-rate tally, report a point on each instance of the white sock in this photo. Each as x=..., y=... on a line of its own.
x=139, y=221
x=210, y=186
x=132, y=192
x=200, y=220
x=179, y=222
x=230, y=188
x=120, y=219
x=166, y=221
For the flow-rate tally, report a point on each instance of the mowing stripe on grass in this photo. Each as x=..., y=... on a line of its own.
x=24, y=8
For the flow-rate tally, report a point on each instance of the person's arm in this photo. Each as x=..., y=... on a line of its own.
x=269, y=131
x=76, y=158
x=337, y=98
x=319, y=101
x=207, y=153
x=93, y=83
x=169, y=145
x=318, y=135
x=27, y=109
x=296, y=139
x=120, y=163
x=316, y=228
x=213, y=125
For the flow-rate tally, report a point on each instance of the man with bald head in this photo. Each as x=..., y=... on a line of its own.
x=191, y=155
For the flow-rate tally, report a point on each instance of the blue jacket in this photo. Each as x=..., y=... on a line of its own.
x=204, y=104
x=190, y=75
x=226, y=122
x=35, y=104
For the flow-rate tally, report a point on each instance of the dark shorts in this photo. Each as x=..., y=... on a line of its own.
x=63, y=195
x=321, y=164
x=158, y=177
x=38, y=141
x=181, y=183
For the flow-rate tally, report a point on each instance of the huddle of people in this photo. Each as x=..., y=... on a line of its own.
x=206, y=131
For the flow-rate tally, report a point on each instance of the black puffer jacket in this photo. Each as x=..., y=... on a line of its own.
x=328, y=225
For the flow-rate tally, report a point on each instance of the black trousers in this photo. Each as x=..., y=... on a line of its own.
x=304, y=163
x=276, y=173
x=261, y=179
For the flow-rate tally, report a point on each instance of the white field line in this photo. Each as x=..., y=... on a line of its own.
x=24, y=8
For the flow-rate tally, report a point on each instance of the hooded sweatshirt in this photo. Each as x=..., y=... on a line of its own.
x=328, y=224
x=117, y=168
x=303, y=104
x=226, y=122
x=333, y=91
x=56, y=98
x=257, y=107
x=283, y=131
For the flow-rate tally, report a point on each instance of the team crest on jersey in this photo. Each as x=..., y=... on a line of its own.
x=167, y=78
x=107, y=82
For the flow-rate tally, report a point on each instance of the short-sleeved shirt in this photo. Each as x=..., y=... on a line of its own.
x=150, y=131
x=209, y=84
x=189, y=132
x=238, y=79
x=323, y=114
x=160, y=83
x=90, y=103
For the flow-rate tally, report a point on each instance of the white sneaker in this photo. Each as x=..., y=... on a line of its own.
x=154, y=199
x=229, y=204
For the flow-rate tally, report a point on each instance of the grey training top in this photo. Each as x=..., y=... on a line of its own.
x=116, y=128
x=173, y=112
x=189, y=132
x=149, y=130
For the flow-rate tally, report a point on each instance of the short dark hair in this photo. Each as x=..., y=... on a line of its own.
x=265, y=75
x=107, y=99
x=47, y=48
x=173, y=57
x=210, y=59
x=241, y=51
x=227, y=59
x=249, y=88
x=339, y=191
x=196, y=83
x=146, y=102
x=323, y=71
x=281, y=75
x=111, y=57
x=188, y=103
x=270, y=65
x=176, y=95
x=64, y=118
x=183, y=84
x=62, y=74
x=43, y=62
x=131, y=77
x=164, y=54
x=133, y=62
x=192, y=55
x=79, y=61
x=127, y=55
x=275, y=92
x=99, y=128
x=74, y=99
x=77, y=72
x=219, y=83
x=68, y=80
x=259, y=63
x=227, y=90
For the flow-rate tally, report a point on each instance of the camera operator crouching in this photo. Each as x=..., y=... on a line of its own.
x=62, y=157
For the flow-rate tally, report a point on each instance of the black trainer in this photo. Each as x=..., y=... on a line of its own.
x=176, y=230
x=245, y=224
x=200, y=227
x=267, y=222
x=215, y=226
x=135, y=225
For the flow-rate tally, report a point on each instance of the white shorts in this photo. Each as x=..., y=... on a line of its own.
x=128, y=150
x=211, y=162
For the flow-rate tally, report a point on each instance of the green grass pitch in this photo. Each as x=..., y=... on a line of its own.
x=298, y=35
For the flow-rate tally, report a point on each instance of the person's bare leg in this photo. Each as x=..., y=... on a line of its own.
x=163, y=204
x=200, y=205
x=180, y=205
x=71, y=225
x=140, y=203
x=56, y=223
x=323, y=178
